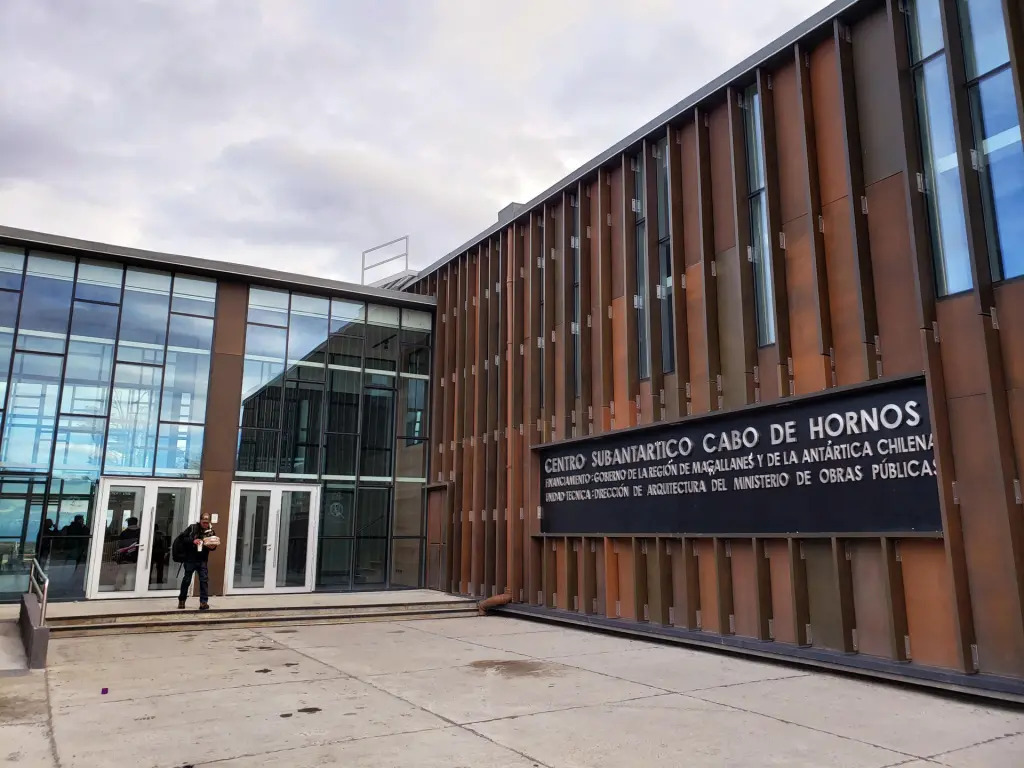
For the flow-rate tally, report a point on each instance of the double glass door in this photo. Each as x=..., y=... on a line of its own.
x=272, y=540
x=134, y=525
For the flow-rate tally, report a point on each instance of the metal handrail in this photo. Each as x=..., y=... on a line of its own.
x=39, y=585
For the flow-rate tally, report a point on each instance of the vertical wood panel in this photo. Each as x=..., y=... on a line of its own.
x=459, y=414
x=720, y=154
x=517, y=378
x=585, y=418
x=685, y=584
x=701, y=282
x=870, y=599
x=631, y=370
x=929, y=610
x=588, y=576
x=677, y=201
x=744, y=587
x=783, y=618
x=828, y=110
x=651, y=300
x=826, y=617
x=708, y=581
x=551, y=261
x=602, y=223
x=659, y=581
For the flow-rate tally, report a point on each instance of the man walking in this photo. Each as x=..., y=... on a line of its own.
x=197, y=537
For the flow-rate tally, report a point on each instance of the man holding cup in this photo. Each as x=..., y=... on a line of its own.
x=202, y=539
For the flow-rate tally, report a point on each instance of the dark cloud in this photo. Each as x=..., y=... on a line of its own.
x=309, y=130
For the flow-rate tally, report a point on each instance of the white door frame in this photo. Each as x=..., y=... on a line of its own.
x=150, y=486
x=276, y=490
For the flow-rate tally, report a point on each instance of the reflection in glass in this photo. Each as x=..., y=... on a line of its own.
x=377, y=432
x=12, y=265
x=412, y=407
x=99, y=281
x=268, y=307
x=171, y=518
x=134, y=406
x=31, y=412
x=293, y=538
x=179, y=450
x=257, y=452
x=760, y=244
x=411, y=458
x=64, y=547
x=251, y=539
x=334, y=564
x=123, y=520
x=416, y=359
x=8, y=317
x=308, y=330
x=406, y=562
x=942, y=166
x=343, y=402
x=642, y=328
x=408, y=509
x=90, y=360
x=194, y=296
x=755, y=139
x=984, y=36
x=381, y=348
x=925, y=29
x=340, y=455
x=668, y=350
x=147, y=297
x=261, y=394
x=338, y=515
x=46, y=304
x=79, y=444
x=300, y=433
x=370, y=563
x=373, y=508
x=187, y=370
x=997, y=132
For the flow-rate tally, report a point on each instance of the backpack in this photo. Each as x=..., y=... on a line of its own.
x=182, y=546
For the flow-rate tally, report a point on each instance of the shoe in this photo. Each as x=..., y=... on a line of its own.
x=181, y=605
x=204, y=606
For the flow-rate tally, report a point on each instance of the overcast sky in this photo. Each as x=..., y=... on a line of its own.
x=297, y=133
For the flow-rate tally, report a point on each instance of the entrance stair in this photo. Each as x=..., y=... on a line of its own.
x=104, y=617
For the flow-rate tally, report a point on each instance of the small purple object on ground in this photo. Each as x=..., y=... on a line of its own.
x=103, y=692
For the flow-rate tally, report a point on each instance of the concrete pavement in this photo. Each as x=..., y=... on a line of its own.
x=482, y=691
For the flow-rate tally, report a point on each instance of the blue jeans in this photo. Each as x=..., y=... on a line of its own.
x=203, y=570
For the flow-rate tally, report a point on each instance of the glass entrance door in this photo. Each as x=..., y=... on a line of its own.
x=272, y=538
x=133, y=527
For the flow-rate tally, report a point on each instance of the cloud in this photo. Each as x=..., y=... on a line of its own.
x=303, y=132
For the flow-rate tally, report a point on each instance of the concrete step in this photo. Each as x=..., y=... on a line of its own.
x=193, y=619
x=12, y=652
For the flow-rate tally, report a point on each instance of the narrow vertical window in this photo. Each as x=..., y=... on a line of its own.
x=938, y=149
x=668, y=353
x=760, y=237
x=541, y=340
x=640, y=299
x=574, y=244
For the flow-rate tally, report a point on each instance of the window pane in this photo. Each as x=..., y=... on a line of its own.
x=265, y=343
x=261, y=394
x=293, y=538
x=381, y=347
x=46, y=304
x=257, y=451
x=755, y=154
x=764, y=297
x=300, y=431
x=340, y=458
x=945, y=206
x=408, y=509
x=925, y=29
x=343, y=404
x=411, y=458
x=79, y=444
x=662, y=166
x=416, y=359
x=642, y=328
x=31, y=412
x=338, y=517
x=131, y=440
x=377, y=433
x=668, y=352
x=334, y=564
x=348, y=311
x=415, y=319
x=997, y=133
x=8, y=317
x=12, y=264
x=984, y=36
x=268, y=307
x=144, y=317
x=90, y=360
x=412, y=407
x=99, y=281
x=345, y=349
x=179, y=450
x=370, y=563
x=406, y=562
x=307, y=330
x=373, y=508
x=187, y=370
x=194, y=296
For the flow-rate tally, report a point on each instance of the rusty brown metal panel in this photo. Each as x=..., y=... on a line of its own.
x=469, y=452
x=963, y=353
x=811, y=370
x=707, y=327
x=229, y=323
x=560, y=598
x=826, y=616
x=572, y=574
x=930, y=623
x=708, y=581
x=600, y=577
x=549, y=572
x=844, y=582
x=691, y=191
x=651, y=299
x=641, y=606
x=502, y=356
x=768, y=383
x=870, y=598
x=732, y=330
x=604, y=392
x=878, y=98
x=459, y=317
x=783, y=619
x=479, y=442
x=741, y=238
x=490, y=432
x=723, y=579
x=828, y=124
x=646, y=400
x=551, y=260
x=854, y=359
x=744, y=587
x=899, y=337
x=588, y=558
x=685, y=583
x=659, y=581
x=585, y=419
x=679, y=200
x=703, y=394
x=723, y=197
x=623, y=410
x=559, y=341
x=799, y=594
x=221, y=434
x=631, y=369
x=626, y=578
x=1010, y=313
x=1013, y=13
x=895, y=598
x=610, y=580
x=762, y=589
x=616, y=201
x=789, y=138
x=438, y=383
x=216, y=499
x=516, y=378
x=564, y=350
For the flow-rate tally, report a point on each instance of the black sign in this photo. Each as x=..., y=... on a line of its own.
x=853, y=461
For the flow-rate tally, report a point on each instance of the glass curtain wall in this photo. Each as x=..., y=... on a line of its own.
x=335, y=391
x=757, y=200
x=103, y=369
x=643, y=331
x=574, y=244
x=668, y=352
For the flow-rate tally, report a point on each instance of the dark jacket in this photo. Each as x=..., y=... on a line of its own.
x=195, y=531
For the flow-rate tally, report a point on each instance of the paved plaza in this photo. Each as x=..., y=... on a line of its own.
x=473, y=692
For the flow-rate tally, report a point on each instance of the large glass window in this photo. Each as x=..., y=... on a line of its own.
x=46, y=304
x=187, y=369
x=194, y=296
x=577, y=304
x=643, y=330
x=134, y=410
x=31, y=412
x=12, y=268
x=668, y=352
x=147, y=301
x=90, y=360
x=757, y=201
x=99, y=281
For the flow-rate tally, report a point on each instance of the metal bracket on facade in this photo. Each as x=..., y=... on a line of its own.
x=995, y=319
x=935, y=330
x=956, y=493
x=975, y=661
x=1016, y=491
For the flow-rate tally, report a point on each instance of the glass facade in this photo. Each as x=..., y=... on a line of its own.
x=668, y=353
x=104, y=369
x=577, y=304
x=336, y=392
x=760, y=236
x=643, y=331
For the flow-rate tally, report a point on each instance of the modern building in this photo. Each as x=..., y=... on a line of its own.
x=754, y=376
x=139, y=388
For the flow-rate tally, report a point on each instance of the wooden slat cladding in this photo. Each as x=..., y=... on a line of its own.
x=677, y=205
x=585, y=416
